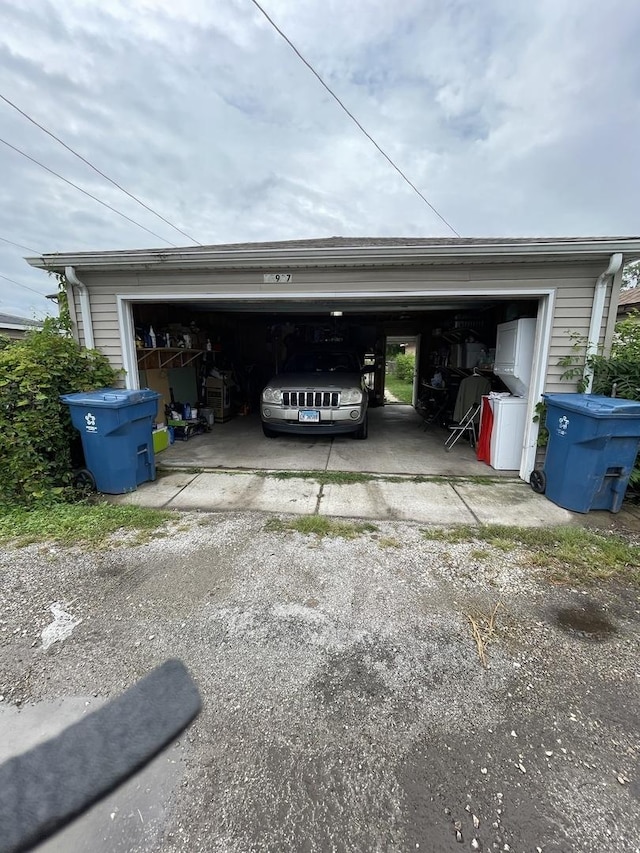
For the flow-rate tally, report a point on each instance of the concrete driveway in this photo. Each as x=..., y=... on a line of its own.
x=397, y=444
x=345, y=706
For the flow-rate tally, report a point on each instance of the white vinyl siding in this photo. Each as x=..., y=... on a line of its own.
x=573, y=283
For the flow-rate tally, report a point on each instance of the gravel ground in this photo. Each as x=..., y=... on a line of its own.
x=345, y=707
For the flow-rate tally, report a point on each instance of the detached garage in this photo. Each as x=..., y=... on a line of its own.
x=211, y=324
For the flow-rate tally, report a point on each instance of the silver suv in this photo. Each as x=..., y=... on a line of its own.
x=318, y=392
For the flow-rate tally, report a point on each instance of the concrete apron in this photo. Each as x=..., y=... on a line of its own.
x=439, y=502
x=407, y=475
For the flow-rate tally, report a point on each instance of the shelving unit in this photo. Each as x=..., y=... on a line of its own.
x=162, y=358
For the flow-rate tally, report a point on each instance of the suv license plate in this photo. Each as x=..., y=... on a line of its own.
x=309, y=416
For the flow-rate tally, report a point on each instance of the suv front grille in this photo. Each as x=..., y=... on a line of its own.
x=311, y=399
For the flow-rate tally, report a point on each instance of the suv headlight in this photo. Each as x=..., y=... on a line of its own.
x=350, y=396
x=272, y=395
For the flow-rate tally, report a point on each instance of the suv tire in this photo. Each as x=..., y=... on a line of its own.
x=363, y=430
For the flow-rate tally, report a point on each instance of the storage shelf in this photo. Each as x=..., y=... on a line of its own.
x=159, y=358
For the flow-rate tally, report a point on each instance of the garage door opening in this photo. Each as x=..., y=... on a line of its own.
x=401, y=370
x=218, y=356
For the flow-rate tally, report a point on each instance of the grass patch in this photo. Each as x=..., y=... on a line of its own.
x=481, y=480
x=400, y=389
x=389, y=542
x=320, y=525
x=322, y=477
x=567, y=554
x=75, y=524
x=479, y=554
x=343, y=478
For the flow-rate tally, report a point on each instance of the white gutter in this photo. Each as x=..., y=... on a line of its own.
x=18, y=327
x=597, y=313
x=85, y=306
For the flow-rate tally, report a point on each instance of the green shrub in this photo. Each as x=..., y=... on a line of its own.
x=405, y=367
x=622, y=368
x=35, y=428
x=621, y=371
x=618, y=373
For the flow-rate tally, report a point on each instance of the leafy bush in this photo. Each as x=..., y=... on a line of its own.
x=405, y=366
x=35, y=428
x=616, y=374
x=622, y=368
x=620, y=373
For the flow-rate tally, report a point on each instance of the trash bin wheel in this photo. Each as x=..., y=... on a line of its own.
x=538, y=482
x=84, y=480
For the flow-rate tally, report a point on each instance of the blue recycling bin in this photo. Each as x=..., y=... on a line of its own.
x=593, y=444
x=116, y=427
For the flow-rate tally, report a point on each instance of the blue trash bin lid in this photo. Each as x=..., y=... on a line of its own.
x=110, y=398
x=595, y=405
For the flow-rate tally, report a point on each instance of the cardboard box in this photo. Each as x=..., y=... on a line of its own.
x=158, y=381
x=215, y=382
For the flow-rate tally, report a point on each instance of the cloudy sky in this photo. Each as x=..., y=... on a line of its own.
x=512, y=118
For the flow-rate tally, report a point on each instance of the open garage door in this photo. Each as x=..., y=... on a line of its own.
x=218, y=355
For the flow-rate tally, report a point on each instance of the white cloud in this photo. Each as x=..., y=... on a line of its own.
x=511, y=118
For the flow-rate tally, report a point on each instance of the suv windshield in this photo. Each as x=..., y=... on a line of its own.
x=322, y=362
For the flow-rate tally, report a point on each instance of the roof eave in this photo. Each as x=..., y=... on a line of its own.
x=19, y=327
x=332, y=256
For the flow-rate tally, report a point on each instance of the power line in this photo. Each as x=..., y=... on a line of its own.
x=95, y=198
x=13, y=281
x=353, y=118
x=98, y=171
x=20, y=246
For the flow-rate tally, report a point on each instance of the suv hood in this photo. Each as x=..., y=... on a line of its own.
x=313, y=381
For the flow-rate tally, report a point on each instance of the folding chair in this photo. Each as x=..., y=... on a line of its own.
x=467, y=424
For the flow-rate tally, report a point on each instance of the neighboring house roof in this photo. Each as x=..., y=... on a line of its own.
x=333, y=250
x=10, y=321
x=628, y=300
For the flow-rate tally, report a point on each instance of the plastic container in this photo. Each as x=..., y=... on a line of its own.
x=593, y=444
x=160, y=439
x=116, y=428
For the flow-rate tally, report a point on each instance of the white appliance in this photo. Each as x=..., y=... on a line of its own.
x=507, y=435
x=514, y=358
x=514, y=354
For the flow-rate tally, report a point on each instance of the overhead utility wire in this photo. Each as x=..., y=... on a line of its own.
x=353, y=118
x=99, y=172
x=20, y=246
x=13, y=281
x=95, y=198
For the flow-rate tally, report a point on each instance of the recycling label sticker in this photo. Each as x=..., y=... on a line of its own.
x=90, y=421
x=563, y=425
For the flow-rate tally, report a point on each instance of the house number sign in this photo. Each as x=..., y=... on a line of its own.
x=277, y=277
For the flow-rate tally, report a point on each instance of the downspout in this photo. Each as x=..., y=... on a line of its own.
x=597, y=314
x=85, y=307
